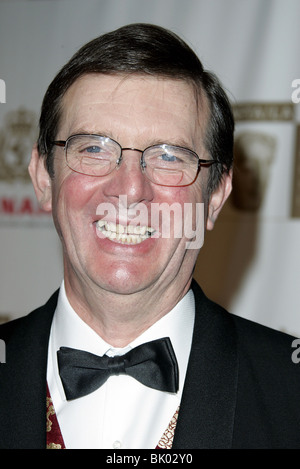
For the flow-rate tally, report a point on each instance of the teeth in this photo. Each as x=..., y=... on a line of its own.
x=124, y=234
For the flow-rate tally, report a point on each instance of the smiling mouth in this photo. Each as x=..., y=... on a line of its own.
x=124, y=234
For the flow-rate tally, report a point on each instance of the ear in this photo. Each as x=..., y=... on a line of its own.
x=41, y=180
x=218, y=199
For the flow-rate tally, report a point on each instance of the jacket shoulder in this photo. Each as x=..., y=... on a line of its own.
x=266, y=408
x=23, y=378
x=39, y=315
x=246, y=330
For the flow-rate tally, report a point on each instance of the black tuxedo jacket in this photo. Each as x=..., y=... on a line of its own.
x=242, y=389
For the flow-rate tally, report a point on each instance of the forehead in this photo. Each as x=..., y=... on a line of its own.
x=142, y=106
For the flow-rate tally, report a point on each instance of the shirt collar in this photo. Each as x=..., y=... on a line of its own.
x=69, y=330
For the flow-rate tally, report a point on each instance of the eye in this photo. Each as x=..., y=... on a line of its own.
x=92, y=149
x=168, y=157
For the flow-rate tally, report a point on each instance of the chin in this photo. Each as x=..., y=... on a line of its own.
x=125, y=281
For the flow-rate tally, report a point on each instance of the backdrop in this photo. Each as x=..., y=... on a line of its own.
x=250, y=262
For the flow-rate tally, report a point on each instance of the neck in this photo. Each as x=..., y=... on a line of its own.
x=119, y=319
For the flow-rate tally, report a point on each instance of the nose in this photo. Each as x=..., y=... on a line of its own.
x=129, y=179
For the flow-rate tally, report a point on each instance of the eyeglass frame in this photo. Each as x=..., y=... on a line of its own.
x=64, y=143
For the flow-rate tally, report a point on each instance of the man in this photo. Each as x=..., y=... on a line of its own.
x=133, y=124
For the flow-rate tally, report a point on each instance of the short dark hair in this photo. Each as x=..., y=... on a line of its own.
x=143, y=49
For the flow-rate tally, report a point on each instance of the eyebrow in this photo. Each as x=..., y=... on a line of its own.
x=178, y=142
x=82, y=131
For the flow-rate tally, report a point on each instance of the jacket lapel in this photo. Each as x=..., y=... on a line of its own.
x=207, y=408
x=23, y=393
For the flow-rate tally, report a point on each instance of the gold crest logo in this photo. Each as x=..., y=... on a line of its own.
x=16, y=140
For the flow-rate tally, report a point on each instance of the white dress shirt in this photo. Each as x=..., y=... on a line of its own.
x=122, y=413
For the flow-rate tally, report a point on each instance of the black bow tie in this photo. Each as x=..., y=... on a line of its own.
x=154, y=364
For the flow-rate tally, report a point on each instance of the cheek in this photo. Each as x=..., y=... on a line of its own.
x=181, y=195
x=73, y=192
x=72, y=196
x=181, y=211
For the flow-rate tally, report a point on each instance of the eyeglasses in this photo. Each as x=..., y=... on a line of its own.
x=165, y=165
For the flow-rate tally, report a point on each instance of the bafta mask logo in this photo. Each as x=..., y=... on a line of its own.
x=17, y=136
x=253, y=153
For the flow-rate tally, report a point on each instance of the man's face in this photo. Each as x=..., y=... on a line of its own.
x=137, y=112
